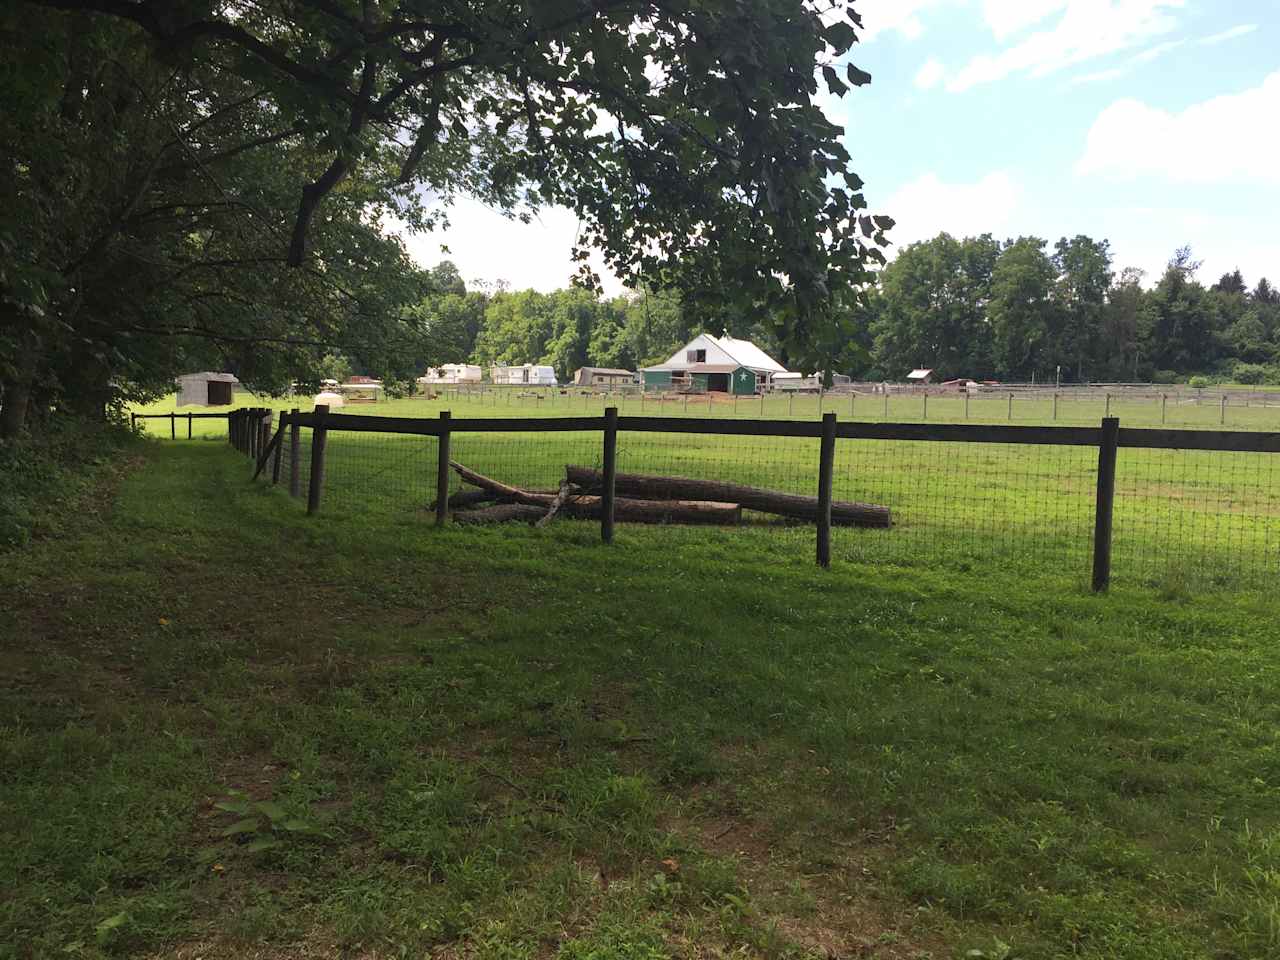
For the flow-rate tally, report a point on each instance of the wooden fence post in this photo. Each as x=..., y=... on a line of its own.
x=1222, y=413
x=852, y=396
x=1105, y=505
x=133, y=422
x=966, y=403
x=295, y=454
x=278, y=455
x=265, y=423
x=188, y=426
x=791, y=403
x=1106, y=410
x=1055, y=405
x=442, y=470
x=1011, y=406
x=173, y=426
x=925, y=409
x=886, y=402
x=1164, y=397
x=319, y=434
x=826, y=464
x=610, y=473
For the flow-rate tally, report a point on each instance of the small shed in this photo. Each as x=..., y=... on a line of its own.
x=206, y=389
x=602, y=377
x=920, y=375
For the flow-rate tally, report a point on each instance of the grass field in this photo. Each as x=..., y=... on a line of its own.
x=1181, y=516
x=232, y=731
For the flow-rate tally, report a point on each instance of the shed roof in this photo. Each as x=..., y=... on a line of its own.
x=614, y=371
x=920, y=373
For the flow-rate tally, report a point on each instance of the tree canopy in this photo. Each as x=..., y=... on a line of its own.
x=193, y=181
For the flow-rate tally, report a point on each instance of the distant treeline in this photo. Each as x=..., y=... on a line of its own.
x=1014, y=310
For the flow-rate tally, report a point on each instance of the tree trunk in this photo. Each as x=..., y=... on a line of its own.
x=753, y=498
x=640, y=511
x=17, y=388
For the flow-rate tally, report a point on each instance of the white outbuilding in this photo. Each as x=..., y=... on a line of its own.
x=453, y=373
x=530, y=374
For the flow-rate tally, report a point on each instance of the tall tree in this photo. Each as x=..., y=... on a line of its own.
x=1021, y=308
x=1084, y=276
x=686, y=137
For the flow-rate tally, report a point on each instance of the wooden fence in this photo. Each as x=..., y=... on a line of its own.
x=173, y=419
x=250, y=432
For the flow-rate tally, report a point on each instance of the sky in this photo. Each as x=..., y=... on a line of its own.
x=1149, y=123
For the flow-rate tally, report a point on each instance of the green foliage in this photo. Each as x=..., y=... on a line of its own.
x=1198, y=382
x=190, y=186
x=262, y=824
x=51, y=477
x=1252, y=373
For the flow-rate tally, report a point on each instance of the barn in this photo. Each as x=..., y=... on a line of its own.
x=206, y=389
x=720, y=364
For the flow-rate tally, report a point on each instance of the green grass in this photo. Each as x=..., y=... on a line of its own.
x=520, y=743
x=1190, y=518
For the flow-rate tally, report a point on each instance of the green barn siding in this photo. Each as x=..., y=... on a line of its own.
x=743, y=381
x=699, y=382
x=657, y=378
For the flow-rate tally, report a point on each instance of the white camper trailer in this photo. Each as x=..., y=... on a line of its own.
x=453, y=373
x=527, y=374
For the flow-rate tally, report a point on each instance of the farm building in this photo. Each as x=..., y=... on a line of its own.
x=709, y=363
x=206, y=389
x=602, y=377
x=920, y=376
x=527, y=373
x=453, y=373
x=798, y=383
x=361, y=390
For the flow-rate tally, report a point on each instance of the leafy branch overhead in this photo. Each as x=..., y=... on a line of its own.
x=686, y=136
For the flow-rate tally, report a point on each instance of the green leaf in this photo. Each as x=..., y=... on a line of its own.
x=858, y=78
x=883, y=222
x=834, y=84
x=272, y=809
x=234, y=806
x=299, y=826
x=263, y=843
x=247, y=825
x=110, y=925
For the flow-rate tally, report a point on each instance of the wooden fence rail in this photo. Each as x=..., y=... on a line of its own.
x=249, y=432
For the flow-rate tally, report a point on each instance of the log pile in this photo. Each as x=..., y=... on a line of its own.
x=643, y=499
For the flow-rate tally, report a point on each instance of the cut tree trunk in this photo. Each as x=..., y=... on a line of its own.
x=624, y=509
x=753, y=498
x=500, y=513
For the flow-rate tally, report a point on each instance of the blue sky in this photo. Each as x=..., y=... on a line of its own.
x=1150, y=123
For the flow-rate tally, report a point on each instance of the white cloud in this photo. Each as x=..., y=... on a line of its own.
x=902, y=16
x=487, y=247
x=1006, y=17
x=1088, y=29
x=1146, y=56
x=1240, y=31
x=928, y=205
x=1223, y=140
x=930, y=75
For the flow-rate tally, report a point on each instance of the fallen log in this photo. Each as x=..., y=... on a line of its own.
x=466, y=499
x=624, y=509
x=500, y=513
x=753, y=498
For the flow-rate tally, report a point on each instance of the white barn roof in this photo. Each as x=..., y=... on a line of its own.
x=722, y=351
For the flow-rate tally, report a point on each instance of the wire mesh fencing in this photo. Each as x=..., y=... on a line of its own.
x=954, y=497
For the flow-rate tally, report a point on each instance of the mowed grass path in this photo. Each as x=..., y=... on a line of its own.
x=520, y=743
